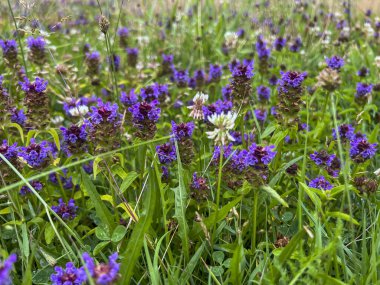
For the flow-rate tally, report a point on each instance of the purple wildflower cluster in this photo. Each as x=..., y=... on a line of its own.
x=330, y=162
x=263, y=53
x=103, y=119
x=199, y=188
x=67, y=211
x=320, y=183
x=93, y=63
x=180, y=77
x=36, y=101
x=37, y=155
x=132, y=56
x=37, y=185
x=10, y=52
x=182, y=134
x=74, y=139
x=335, y=62
x=37, y=53
x=123, y=34
x=242, y=74
x=6, y=268
x=289, y=94
x=251, y=164
x=102, y=274
x=144, y=118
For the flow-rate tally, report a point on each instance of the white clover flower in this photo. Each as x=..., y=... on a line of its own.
x=368, y=30
x=77, y=111
x=345, y=32
x=57, y=120
x=377, y=61
x=223, y=123
x=231, y=39
x=197, y=108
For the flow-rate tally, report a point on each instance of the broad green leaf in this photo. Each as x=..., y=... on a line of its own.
x=136, y=241
x=186, y=274
x=342, y=216
x=102, y=232
x=98, y=248
x=180, y=194
x=129, y=179
x=119, y=233
x=49, y=233
x=101, y=210
x=20, y=130
x=274, y=194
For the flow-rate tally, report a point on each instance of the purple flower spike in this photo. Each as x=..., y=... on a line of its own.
x=37, y=185
x=38, y=155
x=320, y=183
x=335, y=62
x=10, y=52
x=66, y=211
x=261, y=115
x=68, y=276
x=128, y=99
x=263, y=93
x=260, y=154
x=291, y=79
x=362, y=90
x=346, y=132
x=182, y=130
x=361, y=150
x=215, y=73
x=38, y=86
x=103, y=273
x=166, y=153
x=181, y=77
x=74, y=139
x=36, y=50
x=6, y=268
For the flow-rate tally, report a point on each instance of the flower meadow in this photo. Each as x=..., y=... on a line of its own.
x=189, y=142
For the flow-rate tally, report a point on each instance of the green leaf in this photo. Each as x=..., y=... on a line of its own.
x=118, y=233
x=153, y=274
x=49, y=233
x=342, y=216
x=102, y=232
x=134, y=246
x=274, y=194
x=20, y=130
x=180, y=206
x=100, y=208
x=223, y=212
x=43, y=276
x=55, y=136
x=128, y=180
x=269, y=130
x=30, y=135
x=186, y=274
x=236, y=265
x=313, y=197
x=95, y=167
x=98, y=248
x=218, y=256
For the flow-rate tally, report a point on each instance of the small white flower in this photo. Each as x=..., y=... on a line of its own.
x=78, y=110
x=368, y=30
x=223, y=123
x=377, y=61
x=377, y=172
x=57, y=120
x=231, y=39
x=196, y=110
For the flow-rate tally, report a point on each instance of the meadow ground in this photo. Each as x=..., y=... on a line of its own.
x=189, y=142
